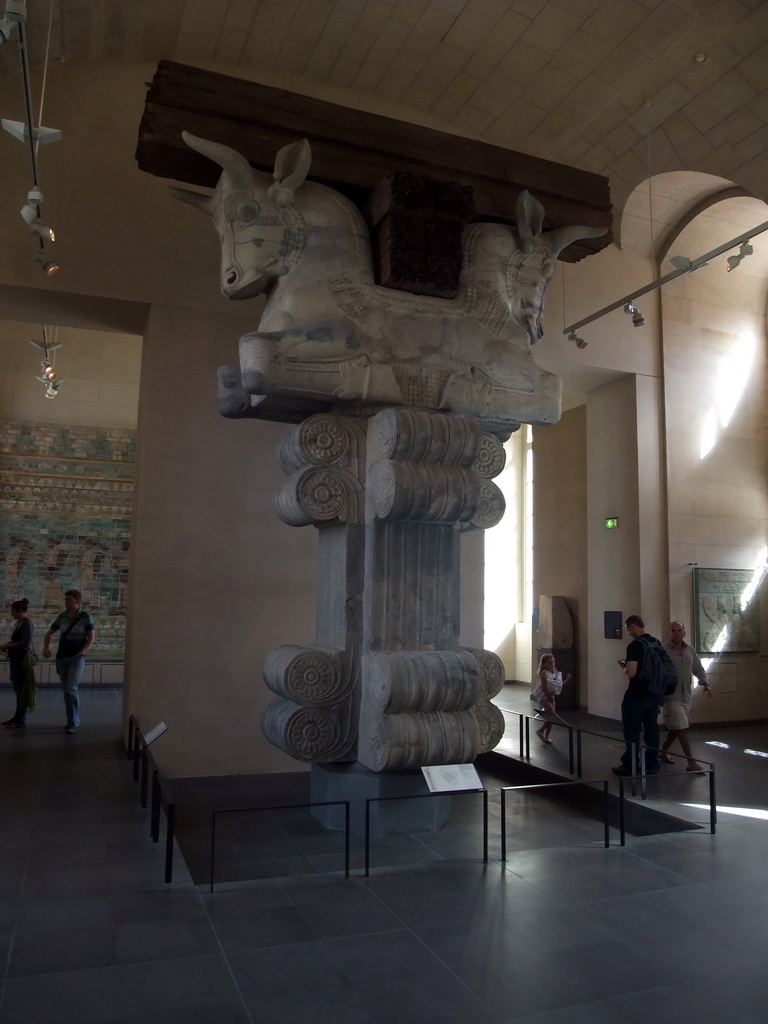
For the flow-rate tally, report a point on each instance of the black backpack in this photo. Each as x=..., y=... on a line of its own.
x=658, y=670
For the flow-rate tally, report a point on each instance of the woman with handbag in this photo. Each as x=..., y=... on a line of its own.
x=76, y=638
x=18, y=648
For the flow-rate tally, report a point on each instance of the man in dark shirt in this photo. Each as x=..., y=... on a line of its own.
x=639, y=709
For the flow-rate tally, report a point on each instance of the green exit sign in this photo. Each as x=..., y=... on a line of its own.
x=612, y=523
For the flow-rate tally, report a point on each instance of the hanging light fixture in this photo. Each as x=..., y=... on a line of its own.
x=745, y=249
x=49, y=266
x=49, y=376
x=638, y=320
x=27, y=131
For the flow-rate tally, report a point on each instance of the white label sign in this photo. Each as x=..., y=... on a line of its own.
x=152, y=735
x=442, y=778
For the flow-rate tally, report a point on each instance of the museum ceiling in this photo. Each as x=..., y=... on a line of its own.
x=597, y=84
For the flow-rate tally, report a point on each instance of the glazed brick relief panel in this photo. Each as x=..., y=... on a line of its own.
x=66, y=495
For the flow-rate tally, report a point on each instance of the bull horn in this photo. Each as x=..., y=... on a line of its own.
x=196, y=199
x=558, y=239
x=234, y=163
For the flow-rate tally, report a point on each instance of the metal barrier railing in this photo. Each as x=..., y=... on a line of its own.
x=637, y=755
x=555, y=785
x=281, y=807
x=138, y=753
x=623, y=780
x=424, y=796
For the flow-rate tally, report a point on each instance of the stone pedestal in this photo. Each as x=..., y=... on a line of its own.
x=356, y=783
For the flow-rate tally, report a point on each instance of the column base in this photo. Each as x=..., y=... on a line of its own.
x=356, y=783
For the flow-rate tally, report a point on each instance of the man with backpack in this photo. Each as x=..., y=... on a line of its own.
x=640, y=707
x=678, y=706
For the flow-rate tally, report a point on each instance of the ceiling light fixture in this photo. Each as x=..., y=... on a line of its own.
x=27, y=131
x=580, y=343
x=42, y=231
x=686, y=267
x=50, y=266
x=49, y=376
x=638, y=320
x=745, y=249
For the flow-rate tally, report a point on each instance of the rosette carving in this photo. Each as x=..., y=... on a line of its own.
x=490, y=507
x=491, y=671
x=490, y=724
x=319, y=496
x=491, y=457
x=312, y=733
x=323, y=440
x=308, y=734
x=307, y=675
x=322, y=494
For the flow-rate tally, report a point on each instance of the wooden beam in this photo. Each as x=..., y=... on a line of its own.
x=353, y=151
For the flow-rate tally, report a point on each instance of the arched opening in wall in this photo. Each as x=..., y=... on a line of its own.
x=66, y=472
x=713, y=330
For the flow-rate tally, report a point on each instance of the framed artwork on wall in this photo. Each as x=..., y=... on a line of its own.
x=726, y=610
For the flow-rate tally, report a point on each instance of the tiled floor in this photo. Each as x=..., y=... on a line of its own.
x=672, y=927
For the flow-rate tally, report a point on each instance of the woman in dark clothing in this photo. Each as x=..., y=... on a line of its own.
x=17, y=648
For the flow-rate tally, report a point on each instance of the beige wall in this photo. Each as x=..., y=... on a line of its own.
x=716, y=385
x=217, y=580
x=99, y=371
x=560, y=523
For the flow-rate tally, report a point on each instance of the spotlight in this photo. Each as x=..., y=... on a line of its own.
x=50, y=267
x=50, y=379
x=580, y=343
x=637, y=317
x=745, y=249
x=31, y=209
x=42, y=231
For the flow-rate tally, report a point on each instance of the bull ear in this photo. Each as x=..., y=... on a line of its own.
x=292, y=165
x=186, y=195
x=234, y=163
x=529, y=217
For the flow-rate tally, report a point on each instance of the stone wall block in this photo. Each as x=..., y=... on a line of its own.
x=415, y=435
x=423, y=492
x=424, y=681
x=406, y=741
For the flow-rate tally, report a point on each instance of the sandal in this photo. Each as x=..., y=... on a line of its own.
x=666, y=758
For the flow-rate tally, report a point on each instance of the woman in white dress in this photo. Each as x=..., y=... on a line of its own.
x=549, y=686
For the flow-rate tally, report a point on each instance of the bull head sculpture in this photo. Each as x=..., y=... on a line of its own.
x=251, y=211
